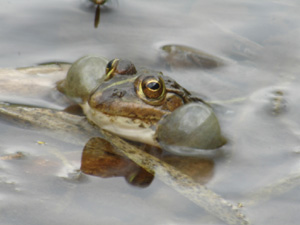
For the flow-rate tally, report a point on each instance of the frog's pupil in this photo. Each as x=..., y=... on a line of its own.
x=153, y=86
x=109, y=64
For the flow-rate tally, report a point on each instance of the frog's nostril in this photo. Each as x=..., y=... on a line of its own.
x=119, y=94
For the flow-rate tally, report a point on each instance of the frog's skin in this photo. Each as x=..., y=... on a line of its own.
x=139, y=104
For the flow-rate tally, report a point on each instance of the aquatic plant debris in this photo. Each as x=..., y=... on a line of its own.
x=41, y=142
x=17, y=155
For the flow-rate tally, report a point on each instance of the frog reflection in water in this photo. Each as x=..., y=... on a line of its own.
x=139, y=105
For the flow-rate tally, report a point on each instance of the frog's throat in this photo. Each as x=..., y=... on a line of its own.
x=128, y=128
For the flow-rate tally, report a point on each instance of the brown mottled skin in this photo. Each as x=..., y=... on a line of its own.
x=121, y=99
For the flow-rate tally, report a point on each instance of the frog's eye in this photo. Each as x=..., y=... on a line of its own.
x=110, y=68
x=151, y=89
x=119, y=66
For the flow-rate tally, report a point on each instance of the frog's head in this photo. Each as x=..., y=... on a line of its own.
x=130, y=102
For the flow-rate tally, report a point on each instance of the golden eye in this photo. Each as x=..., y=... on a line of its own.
x=151, y=89
x=119, y=66
x=110, y=68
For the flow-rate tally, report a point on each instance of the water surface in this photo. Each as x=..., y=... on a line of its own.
x=256, y=98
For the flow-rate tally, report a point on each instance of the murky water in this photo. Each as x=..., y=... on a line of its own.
x=255, y=96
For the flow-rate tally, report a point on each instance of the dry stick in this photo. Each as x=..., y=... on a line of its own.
x=58, y=124
x=182, y=183
x=275, y=189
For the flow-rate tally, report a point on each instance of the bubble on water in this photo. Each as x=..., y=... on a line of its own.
x=72, y=174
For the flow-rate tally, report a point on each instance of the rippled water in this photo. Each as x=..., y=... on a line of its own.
x=255, y=96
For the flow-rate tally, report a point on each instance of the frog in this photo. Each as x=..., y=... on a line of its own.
x=87, y=88
x=165, y=172
x=141, y=105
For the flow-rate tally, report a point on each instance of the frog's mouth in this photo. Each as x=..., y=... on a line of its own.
x=133, y=129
